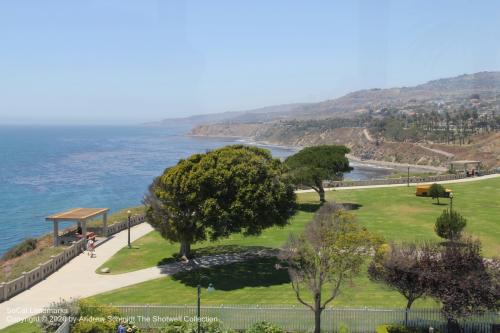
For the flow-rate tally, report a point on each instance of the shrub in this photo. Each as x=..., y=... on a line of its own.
x=25, y=246
x=264, y=327
x=344, y=329
x=449, y=225
x=402, y=329
x=185, y=327
x=60, y=310
x=94, y=327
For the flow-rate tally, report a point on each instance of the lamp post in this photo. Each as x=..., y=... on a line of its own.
x=129, y=214
x=408, y=177
x=198, y=312
x=451, y=201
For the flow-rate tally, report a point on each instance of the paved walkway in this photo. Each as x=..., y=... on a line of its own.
x=464, y=180
x=75, y=279
x=78, y=277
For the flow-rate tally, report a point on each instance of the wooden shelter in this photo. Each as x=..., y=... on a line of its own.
x=79, y=215
x=469, y=167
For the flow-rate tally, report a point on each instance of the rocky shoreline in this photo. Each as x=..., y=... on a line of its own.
x=369, y=162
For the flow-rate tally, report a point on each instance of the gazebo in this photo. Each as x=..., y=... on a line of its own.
x=80, y=216
x=464, y=165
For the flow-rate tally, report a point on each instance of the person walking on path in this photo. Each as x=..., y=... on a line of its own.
x=91, y=247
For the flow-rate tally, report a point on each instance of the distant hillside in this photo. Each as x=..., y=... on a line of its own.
x=446, y=90
x=460, y=116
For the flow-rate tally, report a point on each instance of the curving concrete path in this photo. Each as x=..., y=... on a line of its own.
x=78, y=277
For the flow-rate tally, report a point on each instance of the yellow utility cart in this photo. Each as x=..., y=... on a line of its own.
x=423, y=191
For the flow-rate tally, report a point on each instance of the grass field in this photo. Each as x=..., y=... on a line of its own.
x=394, y=213
x=22, y=328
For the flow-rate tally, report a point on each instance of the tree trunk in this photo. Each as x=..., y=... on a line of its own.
x=185, y=249
x=408, y=306
x=317, y=313
x=321, y=193
x=453, y=326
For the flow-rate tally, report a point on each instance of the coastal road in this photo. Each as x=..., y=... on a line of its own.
x=78, y=278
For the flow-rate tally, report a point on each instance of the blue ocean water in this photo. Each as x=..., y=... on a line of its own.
x=45, y=169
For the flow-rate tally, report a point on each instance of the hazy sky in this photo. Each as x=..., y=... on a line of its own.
x=126, y=61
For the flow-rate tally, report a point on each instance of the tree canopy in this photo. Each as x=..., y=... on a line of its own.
x=458, y=276
x=312, y=165
x=436, y=191
x=234, y=189
x=401, y=268
x=449, y=225
x=329, y=252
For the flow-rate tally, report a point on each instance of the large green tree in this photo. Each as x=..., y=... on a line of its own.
x=311, y=166
x=329, y=253
x=234, y=189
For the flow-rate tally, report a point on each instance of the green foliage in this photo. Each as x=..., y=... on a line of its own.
x=94, y=327
x=264, y=327
x=402, y=329
x=180, y=326
x=329, y=252
x=400, y=267
x=67, y=308
x=344, y=329
x=312, y=165
x=382, y=329
x=18, y=250
x=449, y=225
x=234, y=189
x=436, y=191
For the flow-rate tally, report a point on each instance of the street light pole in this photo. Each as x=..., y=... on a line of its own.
x=198, y=308
x=198, y=312
x=129, y=214
x=451, y=201
x=408, y=178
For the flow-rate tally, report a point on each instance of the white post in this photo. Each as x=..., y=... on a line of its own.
x=105, y=224
x=84, y=230
x=56, y=233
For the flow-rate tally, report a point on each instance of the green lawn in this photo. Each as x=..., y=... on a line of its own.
x=394, y=213
x=251, y=282
x=22, y=327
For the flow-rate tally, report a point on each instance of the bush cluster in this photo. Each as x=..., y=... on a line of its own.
x=402, y=329
x=25, y=246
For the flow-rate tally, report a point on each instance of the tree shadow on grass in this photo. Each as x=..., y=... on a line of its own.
x=259, y=272
x=212, y=250
x=350, y=205
x=313, y=207
x=308, y=207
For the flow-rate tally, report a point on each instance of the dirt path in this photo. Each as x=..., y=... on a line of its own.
x=437, y=151
x=367, y=135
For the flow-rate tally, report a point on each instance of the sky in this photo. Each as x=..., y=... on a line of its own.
x=132, y=61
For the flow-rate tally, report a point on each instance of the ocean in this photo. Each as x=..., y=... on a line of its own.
x=46, y=169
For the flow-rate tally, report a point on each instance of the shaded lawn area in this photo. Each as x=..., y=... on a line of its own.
x=152, y=249
x=251, y=282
